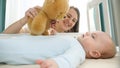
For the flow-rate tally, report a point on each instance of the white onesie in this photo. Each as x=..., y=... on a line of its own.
x=26, y=49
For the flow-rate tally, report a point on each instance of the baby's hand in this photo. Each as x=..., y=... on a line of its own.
x=49, y=63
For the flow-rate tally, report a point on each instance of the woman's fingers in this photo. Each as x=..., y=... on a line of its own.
x=31, y=12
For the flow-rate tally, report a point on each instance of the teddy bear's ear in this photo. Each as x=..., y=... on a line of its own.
x=50, y=1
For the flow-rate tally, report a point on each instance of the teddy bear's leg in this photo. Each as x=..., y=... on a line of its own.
x=29, y=23
x=46, y=32
x=38, y=24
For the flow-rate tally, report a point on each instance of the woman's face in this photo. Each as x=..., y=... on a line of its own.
x=68, y=22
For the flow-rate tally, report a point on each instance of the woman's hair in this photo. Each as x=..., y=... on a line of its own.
x=76, y=26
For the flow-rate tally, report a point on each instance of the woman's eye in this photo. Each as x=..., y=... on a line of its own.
x=64, y=16
x=74, y=20
x=68, y=16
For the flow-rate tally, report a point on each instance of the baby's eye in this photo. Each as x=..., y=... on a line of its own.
x=93, y=36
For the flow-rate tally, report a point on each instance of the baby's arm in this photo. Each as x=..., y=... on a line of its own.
x=72, y=57
x=69, y=59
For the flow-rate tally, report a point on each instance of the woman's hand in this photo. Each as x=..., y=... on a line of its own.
x=32, y=12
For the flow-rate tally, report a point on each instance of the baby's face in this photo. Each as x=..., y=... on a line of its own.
x=93, y=41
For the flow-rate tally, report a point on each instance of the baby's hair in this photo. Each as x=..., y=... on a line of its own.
x=111, y=48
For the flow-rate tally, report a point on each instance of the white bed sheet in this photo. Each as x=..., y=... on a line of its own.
x=89, y=63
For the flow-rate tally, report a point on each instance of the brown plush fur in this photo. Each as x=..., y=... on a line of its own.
x=51, y=10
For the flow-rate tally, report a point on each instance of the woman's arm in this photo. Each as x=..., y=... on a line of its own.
x=17, y=26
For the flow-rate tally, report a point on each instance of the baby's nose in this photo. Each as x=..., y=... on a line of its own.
x=87, y=33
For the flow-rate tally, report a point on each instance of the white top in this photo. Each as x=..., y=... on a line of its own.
x=26, y=49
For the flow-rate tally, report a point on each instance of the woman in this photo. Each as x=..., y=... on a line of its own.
x=69, y=24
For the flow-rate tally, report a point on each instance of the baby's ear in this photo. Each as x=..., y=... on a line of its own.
x=95, y=54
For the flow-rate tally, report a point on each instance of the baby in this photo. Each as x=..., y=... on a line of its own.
x=96, y=45
x=55, y=51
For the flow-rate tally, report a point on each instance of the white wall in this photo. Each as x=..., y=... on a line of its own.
x=82, y=6
x=16, y=10
x=116, y=17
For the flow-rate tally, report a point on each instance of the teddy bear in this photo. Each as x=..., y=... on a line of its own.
x=51, y=10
